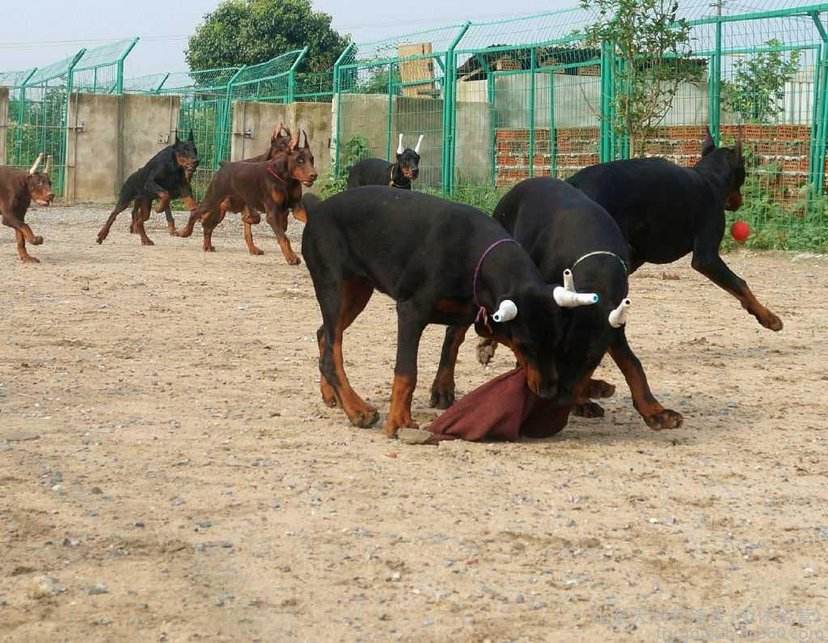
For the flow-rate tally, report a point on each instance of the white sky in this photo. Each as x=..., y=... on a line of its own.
x=41, y=32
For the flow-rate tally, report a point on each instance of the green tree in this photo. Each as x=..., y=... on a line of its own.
x=649, y=41
x=757, y=91
x=247, y=32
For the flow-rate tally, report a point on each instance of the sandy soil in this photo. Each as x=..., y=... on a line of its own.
x=168, y=470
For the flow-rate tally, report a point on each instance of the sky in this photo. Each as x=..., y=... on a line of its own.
x=28, y=40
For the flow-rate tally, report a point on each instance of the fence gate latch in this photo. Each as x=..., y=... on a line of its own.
x=164, y=138
x=79, y=128
x=248, y=133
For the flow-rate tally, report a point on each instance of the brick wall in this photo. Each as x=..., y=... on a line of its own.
x=780, y=152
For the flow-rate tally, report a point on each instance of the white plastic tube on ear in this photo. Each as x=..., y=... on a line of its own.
x=37, y=162
x=419, y=140
x=570, y=299
x=618, y=317
x=507, y=311
x=399, y=146
x=569, y=280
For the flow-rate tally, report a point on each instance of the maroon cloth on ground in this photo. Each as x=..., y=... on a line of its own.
x=502, y=409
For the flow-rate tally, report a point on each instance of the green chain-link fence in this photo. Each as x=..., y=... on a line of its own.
x=39, y=102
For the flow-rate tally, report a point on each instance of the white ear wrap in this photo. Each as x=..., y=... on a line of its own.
x=399, y=146
x=618, y=317
x=36, y=163
x=570, y=299
x=419, y=140
x=569, y=280
x=507, y=311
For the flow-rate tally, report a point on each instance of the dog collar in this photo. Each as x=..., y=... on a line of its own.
x=482, y=313
x=273, y=174
x=391, y=182
x=601, y=252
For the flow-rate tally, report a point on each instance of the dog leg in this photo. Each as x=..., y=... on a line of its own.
x=248, y=219
x=138, y=224
x=655, y=415
x=325, y=388
x=410, y=326
x=343, y=304
x=278, y=221
x=584, y=406
x=716, y=270
x=442, y=390
x=486, y=350
x=24, y=255
x=104, y=231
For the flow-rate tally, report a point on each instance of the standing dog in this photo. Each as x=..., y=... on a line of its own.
x=665, y=212
x=17, y=191
x=379, y=172
x=443, y=263
x=567, y=235
x=165, y=176
x=274, y=187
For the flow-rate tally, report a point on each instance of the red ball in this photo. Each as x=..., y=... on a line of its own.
x=740, y=231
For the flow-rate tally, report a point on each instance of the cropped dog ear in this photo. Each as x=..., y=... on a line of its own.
x=177, y=140
x=307, y=144
x=709, y=144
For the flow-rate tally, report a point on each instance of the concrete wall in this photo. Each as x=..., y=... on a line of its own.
x=577, y=101
x=253, y=124
x=4, y=122
x=109, y=137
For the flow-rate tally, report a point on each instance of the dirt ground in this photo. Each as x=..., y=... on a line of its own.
x=168, y=471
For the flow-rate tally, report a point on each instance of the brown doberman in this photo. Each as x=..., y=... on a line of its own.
x=17, y=191
x=274, y=187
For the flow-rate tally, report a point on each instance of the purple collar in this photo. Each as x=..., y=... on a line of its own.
x=482, y=313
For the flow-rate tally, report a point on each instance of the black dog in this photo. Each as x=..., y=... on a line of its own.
x=443, y=263
x=666, y=211
x=166, y=176
x=380, y=172
x=565, y=233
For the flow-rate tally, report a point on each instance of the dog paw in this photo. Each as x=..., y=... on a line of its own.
x=588, y=410
x=294, y=260
x=441, y=398
x=599, y=389
x=364, y=418
x=38, y=240
x=771, y=322
x=392, y=425
x=666, y=419
x=486, y=351
x=256, y=252
x=173, y=231
x=147, y=242
x=29, y=259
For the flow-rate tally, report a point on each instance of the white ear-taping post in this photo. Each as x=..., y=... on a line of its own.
x=507, y=311
x=569, y=280
x=48, y=167
x=419, y=141
x=570, y=299
x=399, y=146
x=36, y=163
x=618, y=317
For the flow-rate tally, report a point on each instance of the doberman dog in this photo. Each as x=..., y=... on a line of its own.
x=665, y=212
x=274, y=187
x=443, y=263
x=17, y=191
x=165, y=176
x=379, y=172
x=566, y=234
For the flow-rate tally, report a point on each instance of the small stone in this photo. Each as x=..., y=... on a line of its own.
x=20, y=437
x=96, y=491
x=98, y=588
x=57, y=488
x=70, y=542
x=655, y=521
x=520, y=599
x=45, y=587
x=415, y=436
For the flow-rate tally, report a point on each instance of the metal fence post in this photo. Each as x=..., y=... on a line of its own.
x=449, y=112
x=337, y=98
x=714, y=86
x=819, y=128
x=606, y=151
x=532, y=142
